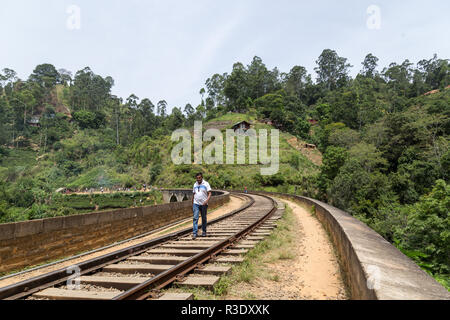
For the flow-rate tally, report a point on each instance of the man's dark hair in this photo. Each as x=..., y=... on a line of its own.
x=199, y=174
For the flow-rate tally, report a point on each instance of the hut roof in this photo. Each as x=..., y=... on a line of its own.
x=241, y=122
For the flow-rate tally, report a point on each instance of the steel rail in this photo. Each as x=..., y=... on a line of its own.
x=38, y=283
x=150, y=287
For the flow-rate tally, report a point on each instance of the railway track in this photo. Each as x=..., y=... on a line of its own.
x=140, y=272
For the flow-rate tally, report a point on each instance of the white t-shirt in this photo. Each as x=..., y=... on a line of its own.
x=201, y=192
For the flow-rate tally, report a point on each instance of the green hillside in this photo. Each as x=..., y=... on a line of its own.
x=89, y=159
x=382, y=140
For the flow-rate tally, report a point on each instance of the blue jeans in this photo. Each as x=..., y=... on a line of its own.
x=197, y=209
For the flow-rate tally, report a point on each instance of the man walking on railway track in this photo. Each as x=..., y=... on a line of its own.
x=202, y=194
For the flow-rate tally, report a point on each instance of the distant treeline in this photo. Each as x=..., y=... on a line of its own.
x=384, y=135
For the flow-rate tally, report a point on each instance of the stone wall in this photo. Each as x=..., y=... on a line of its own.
x=29, y=243
x=374, y=269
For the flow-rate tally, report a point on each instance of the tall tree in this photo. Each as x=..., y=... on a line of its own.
x=45, y=75
x=115, y=104
x=296, y=82
x=189, y=110
x=132, y=101
x=65, y=76
x=4, y=120
x=369, y=64
x=146, y=106
x=27, y=102
x=90, y=91
x=176, y=119
x=399, y=77
x=332, y=70
x=257, y=75
x=261, y=81
x=148, y=120
x=202, y=93
x=215, y=86
x=162, y=108
x=236, y=88
x=436, y=72
x=7, y=75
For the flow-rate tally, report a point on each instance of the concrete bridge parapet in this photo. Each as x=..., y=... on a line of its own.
x=374, y=268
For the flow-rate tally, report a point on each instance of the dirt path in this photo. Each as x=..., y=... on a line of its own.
x=235, y=203
x=316, y=266
x=313, y=272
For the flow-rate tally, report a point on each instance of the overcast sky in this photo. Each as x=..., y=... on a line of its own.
x=167, y=49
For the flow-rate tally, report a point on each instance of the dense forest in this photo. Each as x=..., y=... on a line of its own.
x=384, y=136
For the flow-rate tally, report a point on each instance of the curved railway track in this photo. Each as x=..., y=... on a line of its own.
x=140, y=272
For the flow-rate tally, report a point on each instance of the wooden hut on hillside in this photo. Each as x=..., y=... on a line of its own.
x=242, y=126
